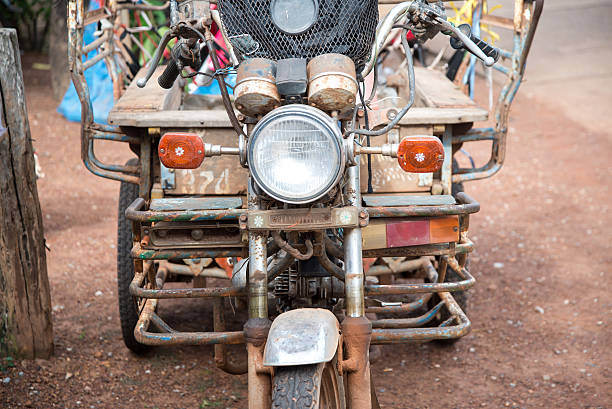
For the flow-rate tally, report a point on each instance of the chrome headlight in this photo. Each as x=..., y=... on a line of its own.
x=296, y=154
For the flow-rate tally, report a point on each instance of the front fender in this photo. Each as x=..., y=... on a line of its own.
x=302, y=337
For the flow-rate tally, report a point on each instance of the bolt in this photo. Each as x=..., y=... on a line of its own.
x=391, y=114
x=162, y=150
x=363, y=214
x=243, y=217
x=199, y=151
x=363, y=223
x=197, y=234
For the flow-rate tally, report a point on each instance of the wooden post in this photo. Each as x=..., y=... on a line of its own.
x=25, y=302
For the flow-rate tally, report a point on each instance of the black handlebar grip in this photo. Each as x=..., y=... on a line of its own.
x=167, y=78
x=486, y=48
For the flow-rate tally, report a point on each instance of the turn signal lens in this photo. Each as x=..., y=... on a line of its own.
x=420, y=154
x=181, y=150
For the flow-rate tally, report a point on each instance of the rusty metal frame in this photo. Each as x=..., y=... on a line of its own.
x=384, y=331
x=526, y=18
x=90, y=130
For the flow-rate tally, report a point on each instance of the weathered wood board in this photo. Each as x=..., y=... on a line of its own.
x=25, y=301
x=151, y=98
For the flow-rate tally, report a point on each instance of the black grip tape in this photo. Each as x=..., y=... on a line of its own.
x=167, y=78
x=486, y=48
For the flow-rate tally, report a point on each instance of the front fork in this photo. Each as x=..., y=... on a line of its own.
x=356, y=328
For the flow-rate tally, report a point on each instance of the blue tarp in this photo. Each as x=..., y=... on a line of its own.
x=100, y=86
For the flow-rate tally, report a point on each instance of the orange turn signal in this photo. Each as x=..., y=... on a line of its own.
x=181, y=150
x=420, y=154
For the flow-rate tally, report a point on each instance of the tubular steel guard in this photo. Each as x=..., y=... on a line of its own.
x=169, y=336
x=90, y=130
x=467, y=206
x=526, y=18
x=399, y=330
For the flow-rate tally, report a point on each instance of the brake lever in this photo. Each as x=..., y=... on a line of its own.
x=471, y=46
x=154, y=62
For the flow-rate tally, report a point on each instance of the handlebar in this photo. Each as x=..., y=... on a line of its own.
x=167, y=78
x=470, y=42
x=486, y=48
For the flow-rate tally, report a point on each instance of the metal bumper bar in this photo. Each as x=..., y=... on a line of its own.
x=401, y=330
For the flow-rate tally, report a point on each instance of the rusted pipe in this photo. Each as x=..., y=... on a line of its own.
x=333, y=248
x=137, y=291
x=220, y=351
x=145, y=337
x=408, y=265
x=355, y=363
x=281, y=264
x=395, y=336
x=398, y=323
x=420, y=288
x=283, y=244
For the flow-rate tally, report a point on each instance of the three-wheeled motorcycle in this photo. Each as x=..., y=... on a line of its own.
x=324, y=204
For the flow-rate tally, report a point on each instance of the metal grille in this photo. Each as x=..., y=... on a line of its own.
x=345, y=27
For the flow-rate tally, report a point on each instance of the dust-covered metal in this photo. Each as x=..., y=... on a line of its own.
x=302, y=337
x=255, y=92
x=332, y=82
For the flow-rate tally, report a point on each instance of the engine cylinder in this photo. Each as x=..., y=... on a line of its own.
x=332, y=82
x=255, y=92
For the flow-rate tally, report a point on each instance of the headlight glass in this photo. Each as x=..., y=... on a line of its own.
x=294, y=16
x=295, y=154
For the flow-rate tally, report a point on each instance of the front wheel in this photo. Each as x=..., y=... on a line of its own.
x=316, y=386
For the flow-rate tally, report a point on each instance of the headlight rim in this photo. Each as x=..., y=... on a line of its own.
x=321, y=118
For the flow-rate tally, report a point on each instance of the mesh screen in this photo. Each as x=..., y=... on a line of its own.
x=345, y=27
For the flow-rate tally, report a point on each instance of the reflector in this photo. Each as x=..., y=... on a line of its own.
x=420, y=154
x=181, y=150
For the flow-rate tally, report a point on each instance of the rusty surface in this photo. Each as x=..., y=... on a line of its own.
x=332, y=82
x=419, y=288
x=295, y=253
x=467, y=206
x=394, y=336
x=355, y=363
x=181, y=254
x=259, y=377
x=134, y=212
x=408, y=322
x=221, y=358
x=255, y=92
x=137, y=290
x=179, y=338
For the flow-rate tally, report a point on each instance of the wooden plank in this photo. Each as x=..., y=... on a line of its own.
x=438, y=91
x=407, y=200
x=26, y=328
x=151, y=98
x=220, y=175
x=219, y=119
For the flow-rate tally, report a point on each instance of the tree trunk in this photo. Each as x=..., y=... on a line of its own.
x=58, y=49
x=25, y=302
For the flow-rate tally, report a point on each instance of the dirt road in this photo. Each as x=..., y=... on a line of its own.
x=541, y=310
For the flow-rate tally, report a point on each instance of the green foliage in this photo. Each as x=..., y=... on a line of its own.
x=7, y=363
x=30, y=18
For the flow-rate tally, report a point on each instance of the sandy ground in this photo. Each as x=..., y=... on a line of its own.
x=541, y=309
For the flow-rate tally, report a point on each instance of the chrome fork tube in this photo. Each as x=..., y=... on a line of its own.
x=257, y=327
x=258, y=269
x=353, y=282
